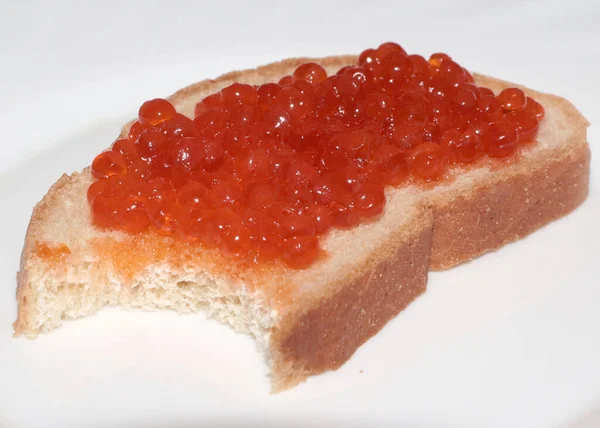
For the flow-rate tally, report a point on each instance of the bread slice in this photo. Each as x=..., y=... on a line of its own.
x=312, y=320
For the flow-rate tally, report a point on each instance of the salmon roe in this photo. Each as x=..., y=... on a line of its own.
x=262, y=171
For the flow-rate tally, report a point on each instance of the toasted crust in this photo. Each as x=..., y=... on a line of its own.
x=494, y=214
x=36, y=225
x=320, y=329
x=324, y=335
x=529, y=194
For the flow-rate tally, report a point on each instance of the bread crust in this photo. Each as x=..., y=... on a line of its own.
x=494, y=214
x=323, y=335
x=322, y=331
x=22, y=324
x=506, y=208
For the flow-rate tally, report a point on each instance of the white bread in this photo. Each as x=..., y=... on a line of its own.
x=311, y=320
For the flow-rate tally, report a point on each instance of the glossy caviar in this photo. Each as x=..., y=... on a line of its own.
x=262, y=171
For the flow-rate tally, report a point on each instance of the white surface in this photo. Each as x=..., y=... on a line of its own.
x=511, y=339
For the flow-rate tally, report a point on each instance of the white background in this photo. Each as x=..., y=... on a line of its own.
x=511, y=339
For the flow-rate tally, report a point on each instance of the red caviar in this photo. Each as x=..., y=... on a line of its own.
x=512, y=99
x=155, y=112
x=108, y=163
x=262, y=171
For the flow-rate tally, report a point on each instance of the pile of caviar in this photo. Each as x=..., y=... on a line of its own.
x=262, y=171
